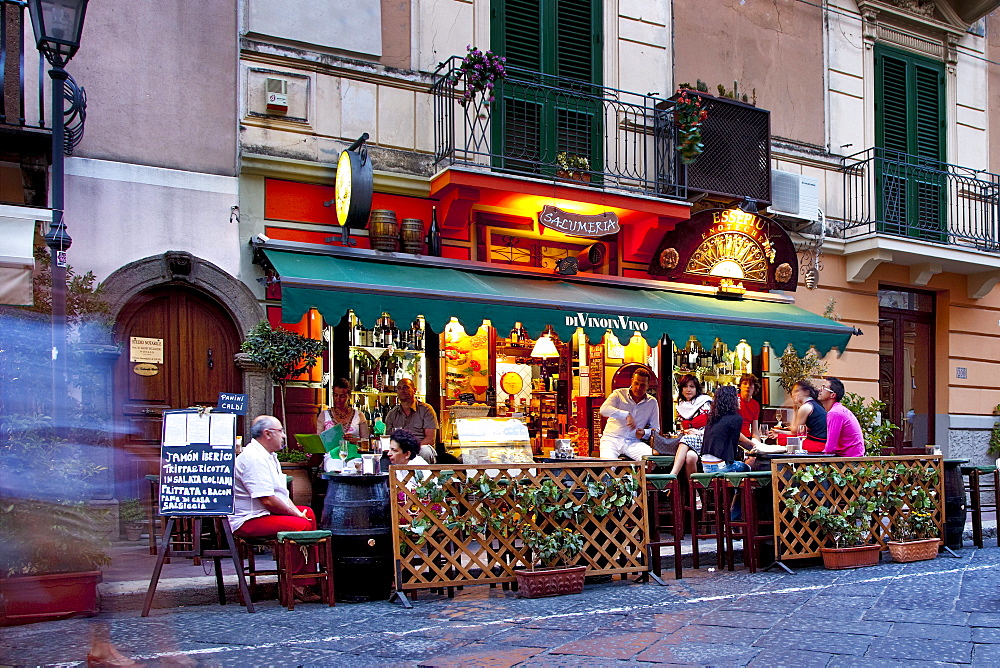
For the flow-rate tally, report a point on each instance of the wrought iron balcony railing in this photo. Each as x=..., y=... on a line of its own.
x=553, y=127
x=21, y=68
x=888, y=192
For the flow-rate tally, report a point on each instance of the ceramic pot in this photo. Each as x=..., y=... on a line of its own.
x=858, y=556
x=550, y=581
x=914, y=550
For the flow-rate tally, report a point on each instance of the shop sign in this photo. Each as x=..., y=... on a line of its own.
x=728, y=248
x=145, y=369
x=578, y=225
x=232, y=403
x=604, y=321
x=142, y=349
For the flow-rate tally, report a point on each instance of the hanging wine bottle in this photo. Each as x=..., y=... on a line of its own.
x=434, y=235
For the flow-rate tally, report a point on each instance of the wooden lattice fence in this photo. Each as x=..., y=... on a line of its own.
x=434, y=546
x=795, y=538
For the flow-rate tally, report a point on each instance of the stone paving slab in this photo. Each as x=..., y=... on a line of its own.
x=919, y=649
x=616, y=645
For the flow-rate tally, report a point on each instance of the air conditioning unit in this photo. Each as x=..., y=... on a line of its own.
x=276, y=91
x=794, y=195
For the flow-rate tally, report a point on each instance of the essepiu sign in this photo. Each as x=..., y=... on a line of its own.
x=578, y=225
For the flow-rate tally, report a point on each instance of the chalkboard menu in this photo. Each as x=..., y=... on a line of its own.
x=595, y=357
x=197, y=459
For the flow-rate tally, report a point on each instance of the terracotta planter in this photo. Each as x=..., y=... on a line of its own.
x=914, y=550
x=133, y=530
x=550, y=581
x=301, y=484
x=40, y=598
x=840, y=558
x=583, y=177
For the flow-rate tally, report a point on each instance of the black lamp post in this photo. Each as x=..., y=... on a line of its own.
x=58, y=25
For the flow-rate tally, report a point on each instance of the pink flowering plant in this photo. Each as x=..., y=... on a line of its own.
x=689, y=116
x=482, y=70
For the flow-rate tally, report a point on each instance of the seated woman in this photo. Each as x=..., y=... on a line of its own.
x=809, y=419
x=404, y=450
x=352, y=420
x=721, y=451
x=692, y=409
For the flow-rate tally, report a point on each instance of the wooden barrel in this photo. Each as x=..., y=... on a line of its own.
x=954, y=505
x=411, y=234
x=383, y=230
x=356, y=511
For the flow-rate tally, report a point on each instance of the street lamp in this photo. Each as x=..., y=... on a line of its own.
x=58, y=25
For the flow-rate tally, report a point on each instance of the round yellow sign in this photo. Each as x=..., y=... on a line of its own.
x=511, y=382
x=146, y=369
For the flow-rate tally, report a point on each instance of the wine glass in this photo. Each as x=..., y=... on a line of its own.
x=343, y=454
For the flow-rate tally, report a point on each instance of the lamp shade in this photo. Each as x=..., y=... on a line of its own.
x=58, y=25
x=544, y=347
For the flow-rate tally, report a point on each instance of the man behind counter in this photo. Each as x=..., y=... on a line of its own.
x=632, y=415
x=416, y=417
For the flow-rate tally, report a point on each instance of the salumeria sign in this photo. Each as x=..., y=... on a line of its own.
x=606, y=321
x=578, y=224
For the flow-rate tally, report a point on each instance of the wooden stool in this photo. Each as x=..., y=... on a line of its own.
x=318, y=545
x=743, y=485
x=974, y=487
x=706, y=488
x=245, y=547
x=668, y=515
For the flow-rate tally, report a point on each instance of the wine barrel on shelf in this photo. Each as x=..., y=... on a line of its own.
x=411, y=234
x=383, y=230
x=356, y=512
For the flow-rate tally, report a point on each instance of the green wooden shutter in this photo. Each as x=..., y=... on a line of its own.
x=554, y=38
x=909, y=137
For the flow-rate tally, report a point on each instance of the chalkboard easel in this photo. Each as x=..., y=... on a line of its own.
x=197, y=462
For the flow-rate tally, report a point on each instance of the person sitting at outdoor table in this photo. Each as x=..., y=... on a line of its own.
x=809, y=419
x=844, y=437
x=692, y=409
x=262, y=506
x=749, y=407
x=404, y=450
x=415, y=416
x=632, y=415
x=352, y=420
x=723, y=443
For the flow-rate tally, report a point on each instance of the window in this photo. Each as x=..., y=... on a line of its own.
x=909, y=136
x=547, y=107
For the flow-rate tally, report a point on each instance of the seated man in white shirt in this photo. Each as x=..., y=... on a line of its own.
x=262, y=505
x=632, y=415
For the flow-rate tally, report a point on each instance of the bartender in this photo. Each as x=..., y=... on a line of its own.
x=632, y=415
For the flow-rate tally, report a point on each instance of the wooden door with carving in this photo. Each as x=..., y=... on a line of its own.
x=199, y=340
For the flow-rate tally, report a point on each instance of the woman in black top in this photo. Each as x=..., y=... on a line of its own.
x=722, y=435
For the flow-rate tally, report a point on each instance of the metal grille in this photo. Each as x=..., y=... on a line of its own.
x=737, y=156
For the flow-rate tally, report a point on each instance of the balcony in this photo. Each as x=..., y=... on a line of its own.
x=618, y=140
x=930, y=215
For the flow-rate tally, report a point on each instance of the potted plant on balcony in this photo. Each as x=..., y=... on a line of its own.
x=846, y=523
x=482, y=71
x=572, y=166
x=688, y=116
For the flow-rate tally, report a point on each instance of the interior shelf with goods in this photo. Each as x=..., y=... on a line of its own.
x=375, y=359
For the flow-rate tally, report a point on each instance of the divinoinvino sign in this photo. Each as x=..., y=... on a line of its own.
x=578, y=225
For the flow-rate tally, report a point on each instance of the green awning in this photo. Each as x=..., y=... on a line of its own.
x=335, y=284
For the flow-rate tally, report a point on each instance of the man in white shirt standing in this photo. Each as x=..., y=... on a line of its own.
x=262, y=505
x=632, y=415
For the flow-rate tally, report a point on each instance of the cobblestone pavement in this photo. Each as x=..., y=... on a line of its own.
x=945, y=611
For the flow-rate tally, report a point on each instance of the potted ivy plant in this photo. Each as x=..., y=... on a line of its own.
x=846, y=523
x=572, y=166
x=914, y=532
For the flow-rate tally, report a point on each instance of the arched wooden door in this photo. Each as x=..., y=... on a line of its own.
x=199, y=340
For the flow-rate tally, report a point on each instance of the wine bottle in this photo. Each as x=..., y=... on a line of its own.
x=416, y=335
x=359, y=334
x=434, y=235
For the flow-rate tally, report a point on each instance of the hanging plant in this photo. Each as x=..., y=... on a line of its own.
x=688, y=115
x=482, y=70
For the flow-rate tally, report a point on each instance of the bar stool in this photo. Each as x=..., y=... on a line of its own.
x=744, y=485
x=316, y=547
x=974, y=487
x=668, y=515
x=705, y=488
x=248, y=561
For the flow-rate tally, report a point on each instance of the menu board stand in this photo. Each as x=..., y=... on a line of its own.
x=197, y=460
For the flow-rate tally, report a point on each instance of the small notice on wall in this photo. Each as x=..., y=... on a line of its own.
x=141, y=349
x=197, y=462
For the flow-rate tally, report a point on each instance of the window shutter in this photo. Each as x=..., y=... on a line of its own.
x=928, y=113
x=892, y=114
x=520, y=23
x=575, y=40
